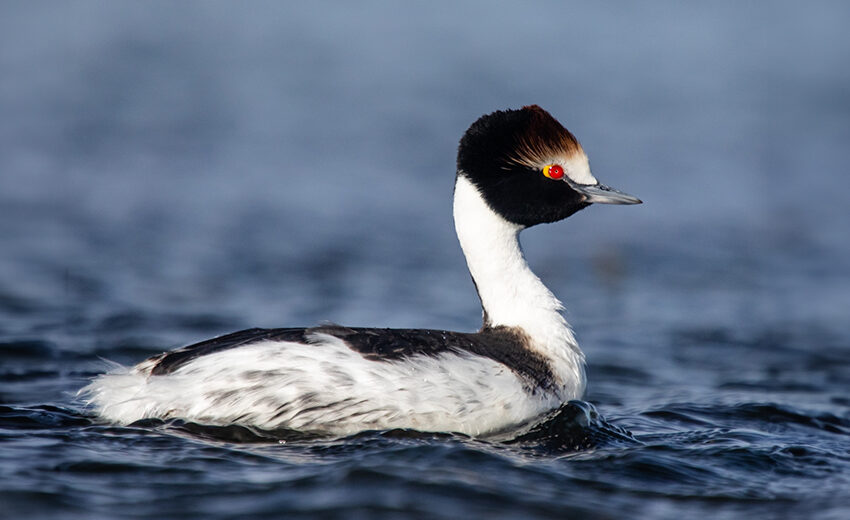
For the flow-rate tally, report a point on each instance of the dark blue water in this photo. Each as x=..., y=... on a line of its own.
x=170, y=172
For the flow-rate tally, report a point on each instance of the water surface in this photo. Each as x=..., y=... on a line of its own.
x=173, y=172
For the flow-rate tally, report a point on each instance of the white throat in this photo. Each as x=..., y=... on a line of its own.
x=511, y=295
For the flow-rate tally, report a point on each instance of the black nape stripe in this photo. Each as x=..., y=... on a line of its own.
x=504, y=345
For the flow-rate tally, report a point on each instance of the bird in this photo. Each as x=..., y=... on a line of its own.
x=516, y=168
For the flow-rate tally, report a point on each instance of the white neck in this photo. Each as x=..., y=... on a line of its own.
x=511, y=295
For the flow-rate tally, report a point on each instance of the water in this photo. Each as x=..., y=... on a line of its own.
x=173, y=172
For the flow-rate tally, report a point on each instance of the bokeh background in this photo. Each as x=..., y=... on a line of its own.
x=244, y=159
x=174, y=170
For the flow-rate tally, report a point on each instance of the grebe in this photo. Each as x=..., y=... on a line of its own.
x=515, y=169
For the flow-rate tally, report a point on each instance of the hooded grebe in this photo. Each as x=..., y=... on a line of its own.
x=515, y=169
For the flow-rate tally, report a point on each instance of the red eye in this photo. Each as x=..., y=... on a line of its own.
x=554, y=171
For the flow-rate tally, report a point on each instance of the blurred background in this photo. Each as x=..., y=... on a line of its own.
x=170, y=171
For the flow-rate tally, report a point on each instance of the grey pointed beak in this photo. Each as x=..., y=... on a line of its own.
x=601, y=194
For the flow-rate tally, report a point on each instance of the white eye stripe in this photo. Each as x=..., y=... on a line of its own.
x=577, y=169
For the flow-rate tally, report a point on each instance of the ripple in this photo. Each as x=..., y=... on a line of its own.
x=40, y=417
